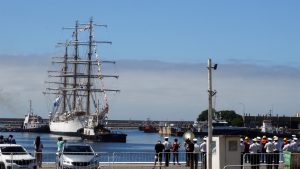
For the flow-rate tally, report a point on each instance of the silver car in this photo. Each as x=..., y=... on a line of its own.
x=15, y=156
x=75, y=156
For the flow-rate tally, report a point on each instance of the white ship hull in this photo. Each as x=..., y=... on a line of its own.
x=67, y=127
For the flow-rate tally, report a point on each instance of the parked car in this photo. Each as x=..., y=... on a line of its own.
x=77, y=156
x=15, y=156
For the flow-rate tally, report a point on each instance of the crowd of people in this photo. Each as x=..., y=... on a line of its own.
x=266, y=150
x=193, y=150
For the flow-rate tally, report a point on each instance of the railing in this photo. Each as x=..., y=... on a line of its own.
x=122, y=160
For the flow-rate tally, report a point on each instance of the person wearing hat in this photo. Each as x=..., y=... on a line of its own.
x=284, y=142
x=197, y=151
x=167, y=151
x=190, y=154
x=11, y=139
x=294, y=145
x=175, y=147
x=269, y=150
x=242, y=147
x=260, y=148
x=287, y=146
x=246, y=151
x=159, y=148
x=263, y=150
x=203, y=152
x=253, y=149
x=276, y=152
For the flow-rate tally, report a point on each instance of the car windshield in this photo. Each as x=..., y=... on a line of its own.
x=78, y=150
x=13, y=150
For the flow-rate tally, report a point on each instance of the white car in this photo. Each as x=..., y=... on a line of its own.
x=75, y=156
x=15, y=156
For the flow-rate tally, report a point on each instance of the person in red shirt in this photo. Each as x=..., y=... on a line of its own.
x=263, y=143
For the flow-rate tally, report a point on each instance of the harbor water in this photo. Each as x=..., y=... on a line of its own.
x=137, y=141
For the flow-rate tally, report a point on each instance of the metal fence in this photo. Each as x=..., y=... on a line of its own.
x=147, y=160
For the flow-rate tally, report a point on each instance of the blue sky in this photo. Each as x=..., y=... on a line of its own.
x=259, y=38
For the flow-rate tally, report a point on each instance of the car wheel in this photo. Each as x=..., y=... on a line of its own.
x=2, y=166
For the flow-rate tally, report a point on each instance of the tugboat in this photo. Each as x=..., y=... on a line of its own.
x=97, y=132
x=34, y=123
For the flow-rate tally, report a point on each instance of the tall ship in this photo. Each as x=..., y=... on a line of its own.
x=77, y=84
x=34, y=123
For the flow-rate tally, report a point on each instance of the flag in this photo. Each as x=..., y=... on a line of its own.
x=56, y=102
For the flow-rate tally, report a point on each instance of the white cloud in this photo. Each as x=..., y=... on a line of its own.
x=159, y=90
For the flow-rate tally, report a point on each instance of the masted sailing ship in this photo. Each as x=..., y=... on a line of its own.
x=80, y=94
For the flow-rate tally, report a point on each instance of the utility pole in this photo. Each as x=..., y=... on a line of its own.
x=210, y=130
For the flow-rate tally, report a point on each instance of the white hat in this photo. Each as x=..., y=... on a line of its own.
x=293, y=135
x=270, y=139
x=241, y=140
x=204, y=138
x=194, y=139
x=166, y=137
x=258, y=138
x=275, y=138
x=295, y=138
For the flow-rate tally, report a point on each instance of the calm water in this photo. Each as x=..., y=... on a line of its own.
x=137, y=141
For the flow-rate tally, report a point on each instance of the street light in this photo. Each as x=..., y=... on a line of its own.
x=210, y=95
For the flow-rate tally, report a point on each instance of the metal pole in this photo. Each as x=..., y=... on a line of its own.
x=209, y=141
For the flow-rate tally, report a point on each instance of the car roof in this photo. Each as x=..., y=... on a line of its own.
x=84, y=145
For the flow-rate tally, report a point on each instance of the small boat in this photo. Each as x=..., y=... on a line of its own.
x=34, y=123
x=95, y=131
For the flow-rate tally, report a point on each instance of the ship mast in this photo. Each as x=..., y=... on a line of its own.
x=65, y=70
x=88, y=85
x=75, y=65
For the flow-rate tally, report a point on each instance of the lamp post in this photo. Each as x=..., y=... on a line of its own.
x=210, y=95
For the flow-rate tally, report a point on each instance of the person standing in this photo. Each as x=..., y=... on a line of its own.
x=167, y=151
x=1, y=139
x=259, y=150
x=175, y=148
x=186, y=144
x=253, y=154
x=246, y=151
x=287, y=146
x=197, y=151
x=60, y=143
x=11, y=140
x=203, y=152
x=38, y=148
x=263, y=151
x=277, y=151
x=190, y=153
x=269, y=153
x=159, y=148
x=242, y=147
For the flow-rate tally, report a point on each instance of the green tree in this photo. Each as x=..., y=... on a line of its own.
x=228, y=115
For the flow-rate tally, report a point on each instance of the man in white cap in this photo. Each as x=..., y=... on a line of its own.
x=259, y=150
x=167, y=151
x=269, y=150
x=294, y=145
x=203, y=152
x=276, y=152
x=197, y=151
x=254, y=157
